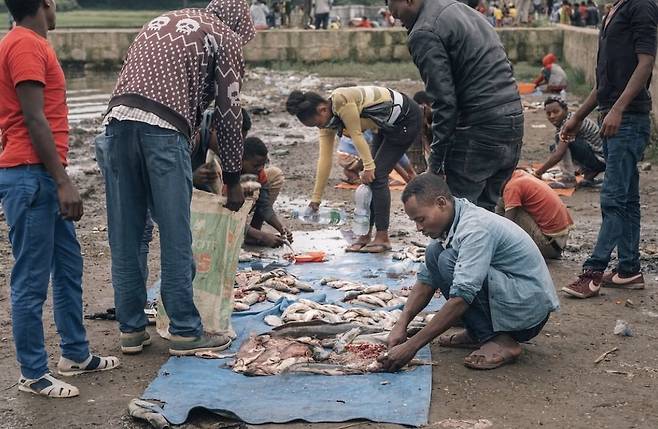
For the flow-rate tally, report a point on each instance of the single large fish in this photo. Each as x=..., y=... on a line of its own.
x=319, y=329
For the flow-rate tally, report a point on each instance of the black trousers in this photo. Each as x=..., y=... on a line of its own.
x=478, y=159
x=388, y=146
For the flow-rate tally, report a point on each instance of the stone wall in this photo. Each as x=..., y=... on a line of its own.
x=575, y=46
x=318, y=46
x=580, y=48
x=531, y=44
x=100, y=47
x=95, y=47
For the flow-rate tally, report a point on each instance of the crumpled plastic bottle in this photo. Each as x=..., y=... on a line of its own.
x=324, y=216
x=362, y=200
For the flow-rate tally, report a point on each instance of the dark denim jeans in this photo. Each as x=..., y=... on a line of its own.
x=321, y=21
x=43, y=245
x=583, y=155
x=481, y=158
x=477, y=319
x=147, y=169
x=101, y=149
x=388, y=146
x=620, y=197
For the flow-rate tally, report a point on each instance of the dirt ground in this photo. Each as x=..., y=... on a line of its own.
x=555, y=384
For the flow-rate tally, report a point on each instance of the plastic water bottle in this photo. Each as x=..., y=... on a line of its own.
x=361, y=221
x=401, y=269
x=324, y=216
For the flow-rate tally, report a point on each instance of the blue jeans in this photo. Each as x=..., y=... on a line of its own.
x=147, y=169
x=440, y=264
x=101, y=149
x=43, y=244
x=620, y=197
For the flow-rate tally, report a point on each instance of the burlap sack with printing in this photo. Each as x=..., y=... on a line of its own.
x=217, y=235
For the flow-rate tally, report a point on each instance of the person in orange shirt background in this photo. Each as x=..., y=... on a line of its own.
x=538, y=210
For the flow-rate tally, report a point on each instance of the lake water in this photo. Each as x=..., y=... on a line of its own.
x=88, y=93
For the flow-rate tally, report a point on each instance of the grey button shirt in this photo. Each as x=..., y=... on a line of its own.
x=493, y=248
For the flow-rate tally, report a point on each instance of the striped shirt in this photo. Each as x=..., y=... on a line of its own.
x=589, y=132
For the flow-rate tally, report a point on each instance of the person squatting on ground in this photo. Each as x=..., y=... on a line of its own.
x=477, y=120
x=352, y=164
x=552, y=75
x=351, y=111
x=531, y=204
x=152, y=116
x=627, y=52
x=490, y=271
x=254, y=160
x=582, y=154
x=40, y=203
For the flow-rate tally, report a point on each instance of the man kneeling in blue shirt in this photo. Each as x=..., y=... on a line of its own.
x=490, y=271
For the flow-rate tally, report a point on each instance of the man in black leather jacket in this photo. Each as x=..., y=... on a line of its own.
x=477, y=117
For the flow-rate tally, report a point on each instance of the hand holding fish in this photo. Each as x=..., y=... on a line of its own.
x=287, y=234
x=396, y=358
x=397, y=336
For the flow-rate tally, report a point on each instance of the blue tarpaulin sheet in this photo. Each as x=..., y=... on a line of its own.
x=183, y=384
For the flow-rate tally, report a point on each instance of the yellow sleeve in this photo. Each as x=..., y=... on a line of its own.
x=325, y=161
x=349, y=114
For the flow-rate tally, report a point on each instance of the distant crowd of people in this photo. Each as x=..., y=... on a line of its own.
x=312, y=14
x=505, y=13
x=585, y=14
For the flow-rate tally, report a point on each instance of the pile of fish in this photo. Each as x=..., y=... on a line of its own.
x=254, y=287
x=308, y=311
x=313, y=348
x=378, y=296
x=413, y=253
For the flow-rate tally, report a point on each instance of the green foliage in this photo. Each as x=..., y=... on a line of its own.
x=93, y=18
x=62, y=5
x=140, y=4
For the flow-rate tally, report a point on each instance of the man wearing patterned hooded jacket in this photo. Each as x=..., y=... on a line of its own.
x=178, y=64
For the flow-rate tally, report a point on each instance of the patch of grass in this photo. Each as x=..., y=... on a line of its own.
x=525, y=72
x=373, y=71
x=105, y=18
x=577, y=83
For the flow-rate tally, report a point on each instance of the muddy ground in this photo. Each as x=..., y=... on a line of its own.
x=555, y=383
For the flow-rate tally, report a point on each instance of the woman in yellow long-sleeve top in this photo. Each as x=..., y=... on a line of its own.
x=349, y=111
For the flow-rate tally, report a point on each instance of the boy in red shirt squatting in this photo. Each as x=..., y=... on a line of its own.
x=40, y=203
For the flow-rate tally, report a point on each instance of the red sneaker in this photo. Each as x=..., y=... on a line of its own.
x=623, y=281
x=587, y=285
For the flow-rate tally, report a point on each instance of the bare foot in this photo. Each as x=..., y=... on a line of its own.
x=359, y=244
x=458, y=340
x=381, y=243
x=497, y=352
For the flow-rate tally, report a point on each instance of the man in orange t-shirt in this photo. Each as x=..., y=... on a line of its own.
x=40, y=203
x=535, y=207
